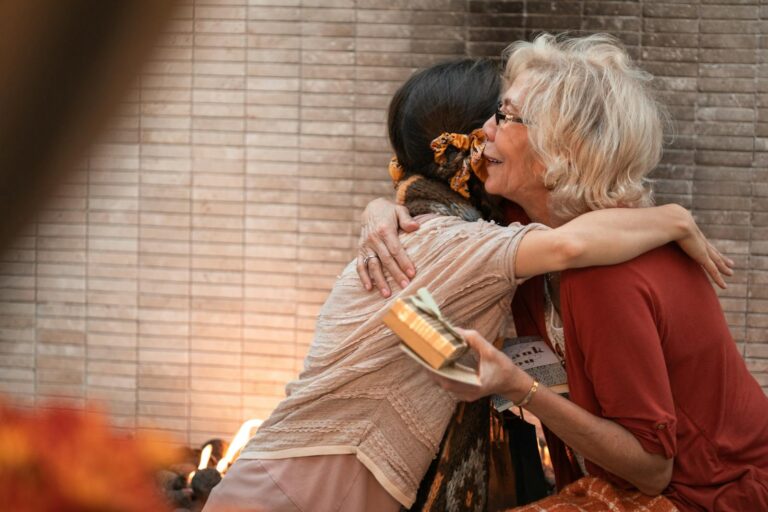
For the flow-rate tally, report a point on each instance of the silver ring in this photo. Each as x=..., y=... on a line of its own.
x=369, y=257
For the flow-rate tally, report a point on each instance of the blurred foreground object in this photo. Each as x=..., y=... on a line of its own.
x=65, y=460
x=63, y=65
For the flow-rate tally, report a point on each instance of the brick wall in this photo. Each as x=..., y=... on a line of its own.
x=177, y=273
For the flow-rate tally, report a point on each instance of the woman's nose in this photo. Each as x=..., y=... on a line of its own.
x=490, y=128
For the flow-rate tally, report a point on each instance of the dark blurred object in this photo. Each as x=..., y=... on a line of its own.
x=63, y=66
x=203, y=483
x=502, y=481
x=531, y=485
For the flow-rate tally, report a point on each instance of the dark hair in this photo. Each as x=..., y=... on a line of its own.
x=456, y=97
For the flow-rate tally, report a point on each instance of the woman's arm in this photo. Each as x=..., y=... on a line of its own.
x=596, y=238
x=607, y=237
x=604, y=442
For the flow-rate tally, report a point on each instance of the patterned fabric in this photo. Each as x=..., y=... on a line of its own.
x=457, y=480
x=592, y=494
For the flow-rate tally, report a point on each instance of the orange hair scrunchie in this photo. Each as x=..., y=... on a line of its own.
x=396, y=171
x=473, y=163
x=475, y=143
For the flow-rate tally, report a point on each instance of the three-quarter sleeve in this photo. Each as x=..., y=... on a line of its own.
x=615, y=358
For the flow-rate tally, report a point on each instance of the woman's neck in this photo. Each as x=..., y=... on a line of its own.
x=538, y=210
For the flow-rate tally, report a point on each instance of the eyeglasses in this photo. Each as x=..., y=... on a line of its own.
x=504, y=117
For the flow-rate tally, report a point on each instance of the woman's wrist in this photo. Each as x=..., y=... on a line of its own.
x=528, y=396
x=682, y=222
x=521, y=389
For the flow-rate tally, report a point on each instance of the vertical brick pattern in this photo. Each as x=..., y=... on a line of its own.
x=60, y=293
x=757, y=302
x=18, y=315
x=270, y=356
x=165, y=219
x=724, y=138
x=326, y=99
x=111, y=285
x=218, y=207
x=177, y=274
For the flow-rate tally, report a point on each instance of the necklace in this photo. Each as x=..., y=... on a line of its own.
x=553, y=322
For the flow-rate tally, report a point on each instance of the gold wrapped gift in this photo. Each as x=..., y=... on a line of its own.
x=421, y=326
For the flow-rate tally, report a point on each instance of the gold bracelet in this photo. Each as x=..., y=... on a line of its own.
x=525, y=401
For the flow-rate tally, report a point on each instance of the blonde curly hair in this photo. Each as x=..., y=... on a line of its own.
x=594, y=121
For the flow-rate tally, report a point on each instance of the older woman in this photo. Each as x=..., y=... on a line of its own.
x=662, y=403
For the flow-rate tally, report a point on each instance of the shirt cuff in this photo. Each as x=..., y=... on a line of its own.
x=659, y=437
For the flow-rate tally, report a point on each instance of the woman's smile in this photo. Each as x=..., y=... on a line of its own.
x=491, y=161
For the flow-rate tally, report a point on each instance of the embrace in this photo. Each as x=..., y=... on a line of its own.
x=500, y=181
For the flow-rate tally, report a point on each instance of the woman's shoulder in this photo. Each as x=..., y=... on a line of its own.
x=448, y=235
x=435, y=225
x=657, y=267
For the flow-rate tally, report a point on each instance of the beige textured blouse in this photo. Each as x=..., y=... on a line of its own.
x=359, y=394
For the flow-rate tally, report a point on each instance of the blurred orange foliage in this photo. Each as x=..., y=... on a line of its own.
x=65, y=460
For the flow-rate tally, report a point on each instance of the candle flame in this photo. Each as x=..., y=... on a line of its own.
x=242, y=437
x=205, y=456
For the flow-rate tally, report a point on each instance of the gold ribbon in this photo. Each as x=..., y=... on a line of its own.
x=424, y=301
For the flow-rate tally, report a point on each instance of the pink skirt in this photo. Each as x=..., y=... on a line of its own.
x=332, y=483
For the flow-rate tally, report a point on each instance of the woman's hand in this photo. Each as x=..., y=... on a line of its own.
x=379, y=245
x=498, y=374
x=698, y=248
